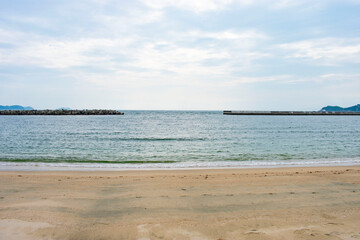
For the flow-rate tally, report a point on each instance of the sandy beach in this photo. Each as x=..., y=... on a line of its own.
x=283, y=203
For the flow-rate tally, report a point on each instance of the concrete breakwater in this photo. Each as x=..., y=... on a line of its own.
x=296, y=113
x=61, y=112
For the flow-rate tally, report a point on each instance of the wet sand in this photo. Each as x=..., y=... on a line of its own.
x=284, y=203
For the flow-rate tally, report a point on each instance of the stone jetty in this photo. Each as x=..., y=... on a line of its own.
x=292, y=113
x=61, y=112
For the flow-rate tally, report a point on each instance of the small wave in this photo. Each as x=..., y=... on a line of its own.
x=37, y=160
x=262, y=157
x=177, y=165
x=151, y=139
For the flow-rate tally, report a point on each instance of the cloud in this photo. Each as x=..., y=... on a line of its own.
x=131, y=18
x=201, y=6
x=324, y=51
x=340, y=77
x=242, y=80
x=179, y=60
x=46, y=52
x=210, y=49
x=190, y=5
x=247, y=34
x=174, y=54
x=9, y=36
x=285, y=4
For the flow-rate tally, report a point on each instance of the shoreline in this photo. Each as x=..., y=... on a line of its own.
x=38, y=166
x=166, y=171
x=270, y=203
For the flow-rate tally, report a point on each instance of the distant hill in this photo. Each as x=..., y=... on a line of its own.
x=355, y=108
x=64, y=108
x=15, y=107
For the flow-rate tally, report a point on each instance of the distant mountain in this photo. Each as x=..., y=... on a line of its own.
x=64, y=108
x=15, y=107
x=355, y=108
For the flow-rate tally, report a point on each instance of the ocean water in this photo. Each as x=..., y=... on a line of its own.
x=178, y=139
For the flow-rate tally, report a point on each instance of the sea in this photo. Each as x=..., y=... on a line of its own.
x=177, y=140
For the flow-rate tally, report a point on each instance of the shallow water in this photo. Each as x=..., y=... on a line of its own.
x=174, y=139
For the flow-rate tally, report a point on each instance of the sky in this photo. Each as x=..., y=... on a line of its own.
x=180, y=54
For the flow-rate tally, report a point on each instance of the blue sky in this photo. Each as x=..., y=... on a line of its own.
x=180, y=54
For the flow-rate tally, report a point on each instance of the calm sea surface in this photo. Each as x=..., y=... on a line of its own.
x=175, y=139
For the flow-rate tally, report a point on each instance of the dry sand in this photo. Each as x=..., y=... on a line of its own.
x=286, y=203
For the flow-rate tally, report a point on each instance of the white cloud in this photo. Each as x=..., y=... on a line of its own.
x=200, y=6
x=341, y=77
x=242, y=80
x=281, y=4
x=36, y=50
x=250, y=34
x=191, y=5
x=28, y=20
x=172, y=55
x=10, y=36
x=324, y=51
x=173, y=58
x=131, y=18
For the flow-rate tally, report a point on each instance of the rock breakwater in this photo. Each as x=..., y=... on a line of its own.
x=61, y=112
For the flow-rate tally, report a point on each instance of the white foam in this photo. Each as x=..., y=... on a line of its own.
x=11, y=166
